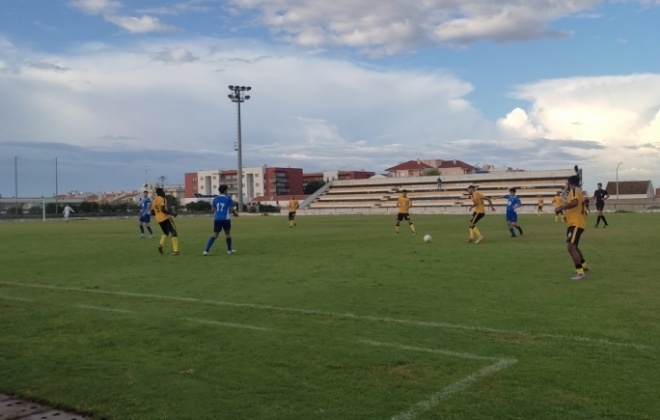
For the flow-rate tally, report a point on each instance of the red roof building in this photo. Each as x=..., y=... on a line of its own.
x=409, y=168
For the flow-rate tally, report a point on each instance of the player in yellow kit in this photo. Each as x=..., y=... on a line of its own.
x=404, y=203
x=478, y=212
x=165, y=221
x=293, y=207
x=539, y=205
x=576, y=221
x=558, y=201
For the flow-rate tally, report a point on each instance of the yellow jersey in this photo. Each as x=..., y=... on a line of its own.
x=478, y=200
x=557, y=201
x=404, y=204
x=576, y=216
x=157, y=206
x=540, y=204
x=293, y=205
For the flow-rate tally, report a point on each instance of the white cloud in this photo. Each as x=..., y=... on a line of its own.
x=96, y=7
x=140, y=25
x=179, y=8
x=598, y=121
x=605, y=108
x=394, y=26
x=175, y=56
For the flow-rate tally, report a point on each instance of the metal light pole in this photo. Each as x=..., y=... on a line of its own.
x=617, y=181
x=16, y=185
x=238, y=96
x=57, y=210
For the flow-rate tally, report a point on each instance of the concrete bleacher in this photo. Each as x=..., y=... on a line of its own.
x=379, y=196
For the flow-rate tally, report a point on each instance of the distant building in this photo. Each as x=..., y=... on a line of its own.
x=422, y=167
x=409, y=169
x=329, y=176
x=257, y=181
x=631, y=189
x=455, y=167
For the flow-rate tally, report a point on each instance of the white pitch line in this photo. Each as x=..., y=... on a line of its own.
x=449, y=391
x=99, y=308
x=469, y=356
x=16, y=299
x=228, y=324
x=347, y=315
x=456, y=387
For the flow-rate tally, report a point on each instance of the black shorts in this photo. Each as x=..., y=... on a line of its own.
x=402, y=216
x=600, y=205
x=167, y=226
x=476, y=217
x=573, y=234
x=292, y=215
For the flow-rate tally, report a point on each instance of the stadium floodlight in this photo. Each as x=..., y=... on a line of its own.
x=238, y=97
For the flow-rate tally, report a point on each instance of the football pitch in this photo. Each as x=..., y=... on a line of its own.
x=337, y=318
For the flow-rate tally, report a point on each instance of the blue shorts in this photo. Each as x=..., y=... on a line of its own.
x=145, y=218
x=220, y=225
x=511, y=216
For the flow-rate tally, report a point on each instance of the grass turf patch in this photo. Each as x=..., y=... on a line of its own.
x=336, y=318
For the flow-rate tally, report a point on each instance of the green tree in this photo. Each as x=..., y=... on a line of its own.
x=172, y=203
x=313, y=186
x=89, y=207
x=50, y=208
x=198, y=206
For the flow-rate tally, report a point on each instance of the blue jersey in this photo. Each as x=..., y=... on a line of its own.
x=222, y=205
x=512, y=202
x=145, y=208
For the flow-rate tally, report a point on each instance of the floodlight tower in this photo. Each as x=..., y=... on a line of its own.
x=238, y=96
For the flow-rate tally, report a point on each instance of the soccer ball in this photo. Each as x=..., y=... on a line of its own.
x=427, y=238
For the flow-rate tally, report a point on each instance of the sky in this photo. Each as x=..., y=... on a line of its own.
x=102, y=95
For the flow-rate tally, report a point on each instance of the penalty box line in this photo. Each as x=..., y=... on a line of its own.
x=449, y=391
x=346, y=315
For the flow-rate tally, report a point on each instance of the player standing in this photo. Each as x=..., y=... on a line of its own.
x=577, y=222
x=478, y=211
x=513, y=203
x=539, y=206
x=67, y=212
x=164, y=219
x=223, y=208
x=601, y=195
x=558, y=201
x=293, y=207
x=404, y=203
x=145, y=215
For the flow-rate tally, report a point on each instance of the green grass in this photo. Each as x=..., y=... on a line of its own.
x=337, y=318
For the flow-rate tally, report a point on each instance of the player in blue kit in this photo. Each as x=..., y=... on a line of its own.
x=513, y=203
x=223, y=208
x=145, y=215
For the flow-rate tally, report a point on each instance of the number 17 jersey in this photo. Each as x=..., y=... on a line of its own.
x=222, y=206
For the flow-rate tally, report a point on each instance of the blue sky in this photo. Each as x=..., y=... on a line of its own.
x=121, y=92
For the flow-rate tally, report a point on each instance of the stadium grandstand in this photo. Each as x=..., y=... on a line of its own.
x=379, y=196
